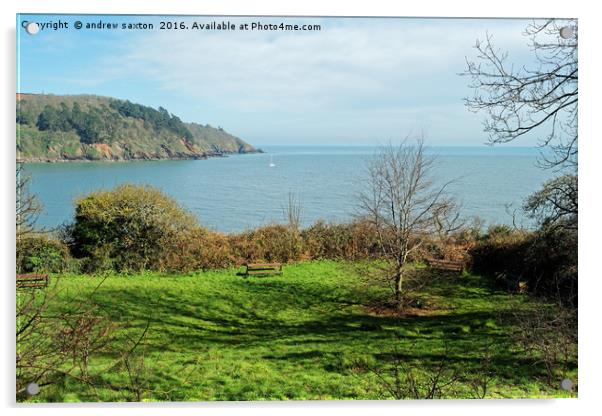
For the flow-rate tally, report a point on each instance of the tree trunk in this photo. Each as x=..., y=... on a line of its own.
x=398, y=287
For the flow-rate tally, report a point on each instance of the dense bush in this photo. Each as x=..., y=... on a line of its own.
x=270, y=243
x=450, y=248
x=501, y=252
x=551, y=264
x=41, y=254
x=127, y=228
x=322, y=240
x=544, y=260
x=355, y=240
x=196, y=249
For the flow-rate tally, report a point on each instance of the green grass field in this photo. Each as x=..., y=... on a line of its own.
x=305, y=335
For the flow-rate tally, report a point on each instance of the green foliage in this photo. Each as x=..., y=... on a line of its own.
x=551, y=264
x=99, y=260
x=41, y=254
x=25, y=114
x=158, y=119
x=555, y=205
x=544, y=260
x=50, y=119
x=88, y=127
x=131, y=225
x=67, y=127
x=501, y=253
x=93, y=126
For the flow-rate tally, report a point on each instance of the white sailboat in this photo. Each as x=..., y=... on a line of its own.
x=272, y=164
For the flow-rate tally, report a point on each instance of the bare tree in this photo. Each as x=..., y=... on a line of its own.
x=400, y=378
x=549, y=336
x=540, y=100
x=52, y=345
x=28, y=206
x=403, y=381
x=56, y=344
x=404, y=204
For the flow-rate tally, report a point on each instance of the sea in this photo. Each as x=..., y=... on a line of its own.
x=240, y=192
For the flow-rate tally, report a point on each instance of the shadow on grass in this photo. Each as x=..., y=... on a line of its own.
x=290, y=322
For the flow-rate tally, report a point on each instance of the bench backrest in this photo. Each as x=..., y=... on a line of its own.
x=264, y=266
x=446, y=264
x=32, y=276
x=32, y=280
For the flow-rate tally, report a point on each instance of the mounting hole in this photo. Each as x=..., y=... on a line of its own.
x=566, y=384
x=566, y=32
x=32, y=28
x=32, y=389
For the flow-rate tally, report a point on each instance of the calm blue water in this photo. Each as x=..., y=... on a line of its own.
x=243, y=191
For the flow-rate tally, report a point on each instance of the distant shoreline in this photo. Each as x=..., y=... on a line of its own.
x=204, y=156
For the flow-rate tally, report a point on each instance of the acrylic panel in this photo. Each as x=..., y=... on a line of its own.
x=235, y=208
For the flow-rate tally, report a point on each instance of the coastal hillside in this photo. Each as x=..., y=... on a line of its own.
x=88, y=127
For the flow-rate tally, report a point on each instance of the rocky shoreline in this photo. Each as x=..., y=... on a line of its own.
x=136, y=158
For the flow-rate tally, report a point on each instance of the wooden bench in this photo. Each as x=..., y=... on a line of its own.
x=263, y=269
x=451, y=265
x=32, y=280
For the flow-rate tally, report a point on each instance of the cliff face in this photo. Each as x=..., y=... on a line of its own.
x=86, y=127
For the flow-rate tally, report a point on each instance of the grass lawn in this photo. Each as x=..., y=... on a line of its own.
x=304, y=335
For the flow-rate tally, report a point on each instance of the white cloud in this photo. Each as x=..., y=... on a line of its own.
x=357, y=59
x=352, y=78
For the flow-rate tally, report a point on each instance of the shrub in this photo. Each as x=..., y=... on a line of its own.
x=501, y=252
x=452, y=246
x=130, y=225
x=355, y=240
x=41, y=254
x=197, y=249
x=544, y=260
x=323, y=240
x=551, y=264
x=98, y=260
x=269, y=243
x=549, y=335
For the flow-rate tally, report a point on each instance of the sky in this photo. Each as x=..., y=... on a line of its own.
x=356, y=81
